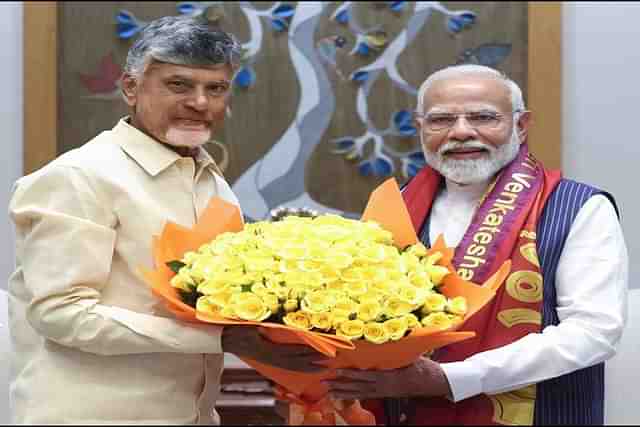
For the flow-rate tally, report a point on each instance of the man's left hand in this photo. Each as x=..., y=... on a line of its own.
x=423, y=378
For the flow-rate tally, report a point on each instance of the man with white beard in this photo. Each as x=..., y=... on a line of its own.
x=540, y=346
x=91, y=344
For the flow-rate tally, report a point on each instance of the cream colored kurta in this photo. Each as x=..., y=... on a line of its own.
x=91, y=343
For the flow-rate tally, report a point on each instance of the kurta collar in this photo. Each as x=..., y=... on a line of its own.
x=468, y=193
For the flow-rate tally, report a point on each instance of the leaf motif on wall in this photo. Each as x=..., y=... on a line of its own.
x=127, y=25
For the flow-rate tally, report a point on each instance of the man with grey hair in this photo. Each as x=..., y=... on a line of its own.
x=540, y=345
x=92, y=344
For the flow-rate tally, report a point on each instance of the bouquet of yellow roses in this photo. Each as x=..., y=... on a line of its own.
x=365, y=293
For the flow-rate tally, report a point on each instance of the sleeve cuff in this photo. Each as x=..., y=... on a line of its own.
x=465, y=380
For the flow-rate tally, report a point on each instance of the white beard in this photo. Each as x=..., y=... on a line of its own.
x=187, y=138
x=472, y=171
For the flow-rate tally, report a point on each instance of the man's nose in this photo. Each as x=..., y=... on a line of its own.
x=462, y=130
x=199, y=100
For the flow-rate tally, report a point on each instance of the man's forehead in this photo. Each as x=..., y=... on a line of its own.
x=216, y=71
x=468, y=92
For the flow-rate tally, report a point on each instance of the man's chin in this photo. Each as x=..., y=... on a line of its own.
x=467, y=171
x=188, y=138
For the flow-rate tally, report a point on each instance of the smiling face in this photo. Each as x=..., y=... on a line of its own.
x=179, y=105
x=465, y=153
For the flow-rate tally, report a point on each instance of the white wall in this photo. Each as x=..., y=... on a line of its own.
x=601, y=67
x=10, y=164
x=10, y=122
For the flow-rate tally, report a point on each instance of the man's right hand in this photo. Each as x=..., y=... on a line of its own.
x=244, y=341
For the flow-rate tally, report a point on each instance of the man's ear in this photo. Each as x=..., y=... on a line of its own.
x=129, y=89
x=522, y=127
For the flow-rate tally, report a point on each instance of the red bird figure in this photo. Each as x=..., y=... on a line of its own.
x=105, y=84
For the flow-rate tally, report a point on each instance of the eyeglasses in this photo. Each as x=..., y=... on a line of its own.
x=436, y=122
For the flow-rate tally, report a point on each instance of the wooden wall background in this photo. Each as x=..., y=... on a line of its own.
x=66, y=39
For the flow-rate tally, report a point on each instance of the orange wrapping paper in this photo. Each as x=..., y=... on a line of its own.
x=386, y=207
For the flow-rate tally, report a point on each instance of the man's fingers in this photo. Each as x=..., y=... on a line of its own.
x=353, y=390
x=350, y=395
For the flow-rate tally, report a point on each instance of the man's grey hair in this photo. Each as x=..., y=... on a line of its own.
x=517, y=101
x=182, y=41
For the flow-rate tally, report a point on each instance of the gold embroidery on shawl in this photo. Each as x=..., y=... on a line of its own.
x=525, y=286
x=514, y=407
x=529, y=253
x=516, y=316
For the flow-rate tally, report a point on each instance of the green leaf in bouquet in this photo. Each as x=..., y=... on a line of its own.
x=175, y=265
x=189, y=297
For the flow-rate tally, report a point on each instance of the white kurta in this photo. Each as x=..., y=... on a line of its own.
x=591, y=285
x=91, y=343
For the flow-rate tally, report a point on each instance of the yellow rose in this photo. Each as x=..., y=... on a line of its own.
x=420, y=278
x=317, y=302
x=322, y=321
x=455, y=319
x=356, y=289
x=232, y=277
x=287, y=265
x=414, y=296
x=375, y=333
x=248, y=306
x=396, y=328
x=275, y=287
x=292, y=252
x=433, y=258
x=336, y=286
x=369, y=311
x=330, y=275
x=296, y=292
x=437, y=273
x=258, y=262
x=259, y=289
x=351, y=275
x=372, y=295
x=412, y=321
x=229, y=312
x=433, y=303
x=339, y=260
x=309, y=265
x=346, y=305
x=211, y=286
x=440, y=320
x=395, y=307
x=418, y=250
x=221, y=298
x=351, y=329
x=271, y=301
x=386, y=287
x=410, y=260
x=337, y=317
x=298, y=319
x=183, y=281
x=372, y=253
x=457, y=305
x=206, y=305
x=189, y=257
x=290, y=305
